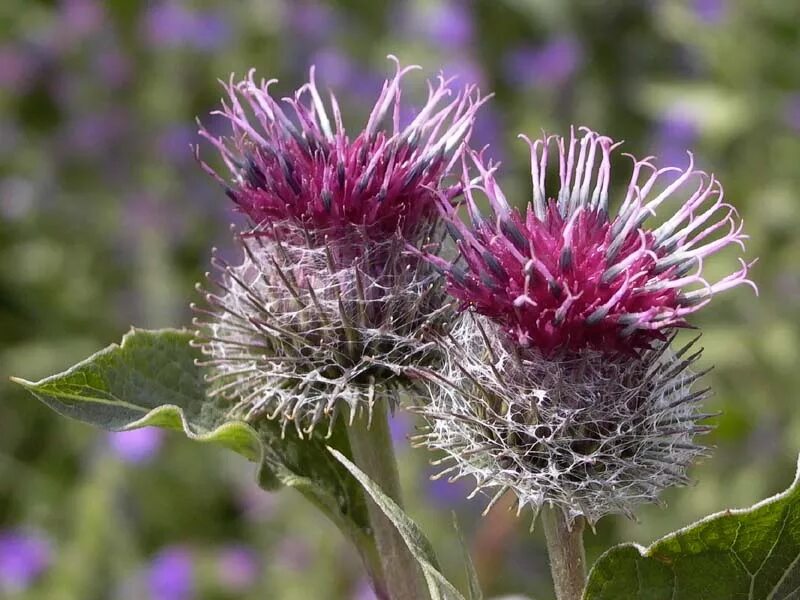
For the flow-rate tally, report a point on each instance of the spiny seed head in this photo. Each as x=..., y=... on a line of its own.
x=292, y=334
x=567, y=275
x=589, y=433
x=294, y=168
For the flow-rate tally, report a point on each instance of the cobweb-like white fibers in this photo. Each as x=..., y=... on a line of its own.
x=589, y=433
x=293, y=334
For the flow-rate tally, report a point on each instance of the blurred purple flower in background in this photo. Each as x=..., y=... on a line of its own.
x=255, y=505
x=79, y=19
x=400, y=427
x=292, y=553
x=113, y=66
x=448, y=24
x=336, y=69
x=17, y=197
x=137, y=445
x=675, y=132
x=238, y=568
x=792, y=111
x=489, y=130
x=546, y=66
x=364, y=591
x=171, y=575
x=355, y=82
x=468, y=72
x=710, y=12
x=310, y=19
x=92, y=134
x=175, y=143
x=17, y=69
x=23, y=558
x=170, y=24
x=445, y=494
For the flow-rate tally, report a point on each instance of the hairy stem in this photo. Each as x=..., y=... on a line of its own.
x=373, y=453
x=567, y=557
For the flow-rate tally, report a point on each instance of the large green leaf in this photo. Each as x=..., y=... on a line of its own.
x=415, y=540
x=152, y=378
x=749, y=554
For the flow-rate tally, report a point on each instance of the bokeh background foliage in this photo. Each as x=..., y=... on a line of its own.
x=106, y=221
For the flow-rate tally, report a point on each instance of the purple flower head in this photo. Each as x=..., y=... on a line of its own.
x=465, y=70
x=80, y=18
x=400, y=427
x=792, y=111
x=444, y=492
x=550, y=65
x=335, y=66
x=364, y=591
x=170, y=24
x=677, y=130
x=18, y=69
x=450, y=24
x=23, y=558
x=711, y=11
x=137, y=445
x=293, y=554
x=175, y=141
x=567, y=275
x=114, y=67
x=310, y=19
x=326, y=279
x=298, y=169
x=171, y=575
x=238, y=568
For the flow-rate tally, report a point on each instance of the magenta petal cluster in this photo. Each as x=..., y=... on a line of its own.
x=294, y=166
x=567, y=275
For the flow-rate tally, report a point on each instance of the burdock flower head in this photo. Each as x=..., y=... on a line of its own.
x=302, y=172
x=327, y=306
x=561, y=385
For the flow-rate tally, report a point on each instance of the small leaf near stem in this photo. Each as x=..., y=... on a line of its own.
x=567, y=556
x=416, y=542
x=373, y=452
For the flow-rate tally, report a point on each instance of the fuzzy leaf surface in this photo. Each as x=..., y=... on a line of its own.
x=152, y=379
x=748, y=554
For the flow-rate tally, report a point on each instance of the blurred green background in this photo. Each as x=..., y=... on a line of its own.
x=106, y=221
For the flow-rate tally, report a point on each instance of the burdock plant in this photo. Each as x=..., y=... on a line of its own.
x=539, y=346
x=560, y=384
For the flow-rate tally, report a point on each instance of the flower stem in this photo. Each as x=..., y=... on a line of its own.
x=373, y=453
x=567, y=557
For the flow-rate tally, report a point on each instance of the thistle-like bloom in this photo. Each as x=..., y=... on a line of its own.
x=566, y=275
x=294, y=336
x=328, y=305
x=302, y=171
x=563, y=387
x=589, y=433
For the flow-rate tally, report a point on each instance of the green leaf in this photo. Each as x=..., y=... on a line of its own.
x=749, y=554
x=474, y=589
x=152, y=378
x=415, y=540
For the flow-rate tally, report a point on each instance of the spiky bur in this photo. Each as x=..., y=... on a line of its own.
x=565, y=389
x=567, y=275
x=589, y=435
x=327, y=308
x=302, y=172
x=292, y=335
